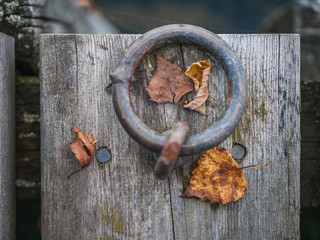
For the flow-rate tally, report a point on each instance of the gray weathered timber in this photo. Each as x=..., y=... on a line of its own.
x=122, y=199
x=7, y=138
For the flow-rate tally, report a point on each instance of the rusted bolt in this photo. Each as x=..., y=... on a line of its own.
x=170, y=153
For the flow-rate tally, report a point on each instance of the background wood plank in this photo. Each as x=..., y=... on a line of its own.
x=7, y=138
x=26, y=19
x=121, y=199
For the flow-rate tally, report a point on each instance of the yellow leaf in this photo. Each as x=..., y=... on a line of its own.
x=199, y=73
x=217, y=178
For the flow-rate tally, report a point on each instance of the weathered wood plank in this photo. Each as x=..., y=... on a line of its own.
x=144, y=199
x=289, y=122
x=122, y=200
x=7, y=138
x=258, y=132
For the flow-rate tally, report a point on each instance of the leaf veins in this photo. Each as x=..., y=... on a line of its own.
x=169, y=83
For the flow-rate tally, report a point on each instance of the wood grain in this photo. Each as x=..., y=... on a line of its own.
x=122, y=199
x=7, y=138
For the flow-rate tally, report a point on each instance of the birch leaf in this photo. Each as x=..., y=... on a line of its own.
x=217, y=178
x=169, y=83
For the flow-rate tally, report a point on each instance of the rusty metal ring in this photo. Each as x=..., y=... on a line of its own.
x=186, y=34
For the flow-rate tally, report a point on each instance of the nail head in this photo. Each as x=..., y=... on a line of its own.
x=238, y=151
x=103, y=155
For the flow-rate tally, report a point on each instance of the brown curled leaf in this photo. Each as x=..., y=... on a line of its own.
x=217, y=178
x=169, y=83
x=83, y=148
x=199, y=73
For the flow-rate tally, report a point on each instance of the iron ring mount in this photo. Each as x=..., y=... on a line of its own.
x=186, y=34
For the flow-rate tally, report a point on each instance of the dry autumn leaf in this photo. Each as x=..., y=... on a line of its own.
x=199, y=73
x=83, y=148
x=169, y=83
x=217, y=178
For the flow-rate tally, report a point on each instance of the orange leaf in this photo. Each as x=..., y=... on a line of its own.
x=169, y=83
x=217, y=178
x=83, y=148
x=199, y=73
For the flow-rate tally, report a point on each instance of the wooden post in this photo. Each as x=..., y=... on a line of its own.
x=7, y=138
x=122, y=199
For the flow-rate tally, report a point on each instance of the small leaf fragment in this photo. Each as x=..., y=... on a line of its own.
x=83, y=148
x=199, y=73
x=217, y=178
x=169, y=83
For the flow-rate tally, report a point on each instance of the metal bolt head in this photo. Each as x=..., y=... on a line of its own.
x=238, y=151
x=103, y=155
